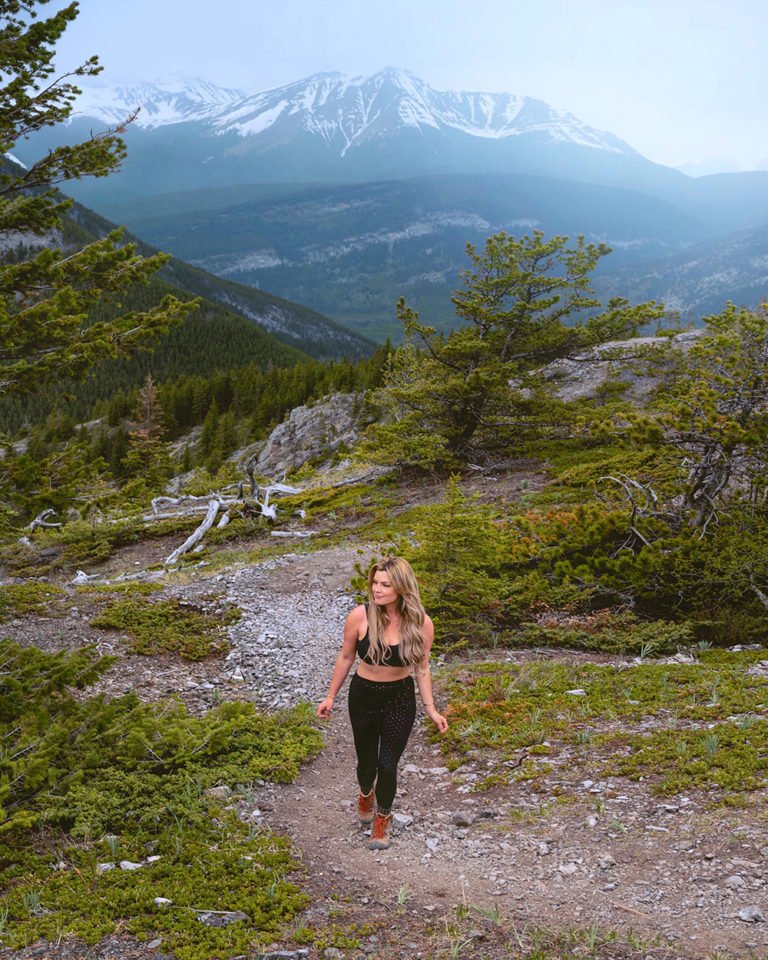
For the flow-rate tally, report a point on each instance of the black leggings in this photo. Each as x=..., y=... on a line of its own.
x=382, y=716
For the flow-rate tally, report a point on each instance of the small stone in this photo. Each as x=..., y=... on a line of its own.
x=221, y=918
x=130, y=865
x=331, y=953
x=401, y=820
x=104, y=867
x=591, y=821
x=735, y=881
x=542, y=848
x=606, y=861
x=154, y=859
x=577, y=693
x=61, y=865
x=162, y=902
x=219, y=793
x=568, y=869
x=438, y=771
x=751, y=914
x=462, y=819
x=154, y=944
x=461, y=833
x=432, y=844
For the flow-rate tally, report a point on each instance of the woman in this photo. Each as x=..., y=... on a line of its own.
x=392, y=636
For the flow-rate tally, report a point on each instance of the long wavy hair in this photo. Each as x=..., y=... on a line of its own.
x=412, y=614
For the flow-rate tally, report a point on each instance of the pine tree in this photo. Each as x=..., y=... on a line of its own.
x=148, y=458
x=472, y=393
x=47, y=296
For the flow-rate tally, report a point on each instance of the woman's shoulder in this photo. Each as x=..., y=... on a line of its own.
x=358, y=614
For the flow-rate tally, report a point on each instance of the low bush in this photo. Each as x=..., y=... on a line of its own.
x=168, y=626
x=87, y=781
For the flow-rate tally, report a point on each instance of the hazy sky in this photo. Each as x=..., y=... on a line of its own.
x=680, y=80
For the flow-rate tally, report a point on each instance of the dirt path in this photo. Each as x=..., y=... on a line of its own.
x=582, y=854
x=613, y=856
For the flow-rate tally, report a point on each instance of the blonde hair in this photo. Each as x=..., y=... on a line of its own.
x=412, y=613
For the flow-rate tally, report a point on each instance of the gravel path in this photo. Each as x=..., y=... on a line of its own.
x=679, y=873
x=614, y=856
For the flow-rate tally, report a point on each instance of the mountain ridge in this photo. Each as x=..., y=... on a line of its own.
x=341, y=109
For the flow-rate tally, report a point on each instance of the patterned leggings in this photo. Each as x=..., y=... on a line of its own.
x=382, y=716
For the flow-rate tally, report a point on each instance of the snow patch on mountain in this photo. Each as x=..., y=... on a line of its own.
x=175, y=99
x=343, y=111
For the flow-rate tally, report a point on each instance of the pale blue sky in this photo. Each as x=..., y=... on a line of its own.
x=680, y=80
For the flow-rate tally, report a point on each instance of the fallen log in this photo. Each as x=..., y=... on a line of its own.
x=213, y=508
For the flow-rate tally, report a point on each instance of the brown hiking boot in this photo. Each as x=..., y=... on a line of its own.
x=365, y=808
x=381, y=836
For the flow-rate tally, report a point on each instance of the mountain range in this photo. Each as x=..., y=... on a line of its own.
x=346, y=192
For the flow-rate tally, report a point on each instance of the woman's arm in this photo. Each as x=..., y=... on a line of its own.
x=424, y=680
x=344, y=660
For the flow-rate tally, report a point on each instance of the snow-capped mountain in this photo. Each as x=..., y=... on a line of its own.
x=343, y=112
x=177, y=99
x=331, y=128
x=347, y=111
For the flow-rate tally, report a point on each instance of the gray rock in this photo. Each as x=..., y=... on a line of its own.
x=284, y=954
x=751, y=914
x=462, y=819
x=568, y=869
x=130, y=865
x=221, y=918
x=162, y=902
x=219, y=793
x=311, y=433
x=104, y=867
x=734, y=881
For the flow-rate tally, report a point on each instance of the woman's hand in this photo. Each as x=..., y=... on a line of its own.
x=438, y=719
x=324, y=708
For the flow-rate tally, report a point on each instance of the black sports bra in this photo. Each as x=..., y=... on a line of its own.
x=364, y=652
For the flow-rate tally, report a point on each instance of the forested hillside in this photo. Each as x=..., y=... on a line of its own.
x=188, y=512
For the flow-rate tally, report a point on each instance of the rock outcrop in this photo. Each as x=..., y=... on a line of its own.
x=637, y=369
x=311, y=434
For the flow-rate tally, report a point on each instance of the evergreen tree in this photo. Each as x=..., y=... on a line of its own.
x=148, y=458
x=461, y=396
x=47, y=296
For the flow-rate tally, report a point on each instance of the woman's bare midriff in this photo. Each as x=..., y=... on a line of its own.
x=379, y=674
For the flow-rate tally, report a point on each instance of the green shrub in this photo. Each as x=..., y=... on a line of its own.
x=77, y=768
x=168, y=626
x=608, y=632
x=18, y=599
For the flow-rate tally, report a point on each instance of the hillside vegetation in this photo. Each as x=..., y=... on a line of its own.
x=597, y=571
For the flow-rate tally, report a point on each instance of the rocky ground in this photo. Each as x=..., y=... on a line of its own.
x=677, y=877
